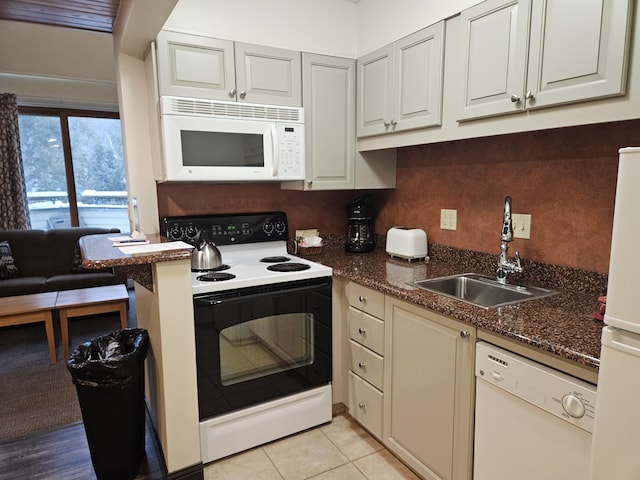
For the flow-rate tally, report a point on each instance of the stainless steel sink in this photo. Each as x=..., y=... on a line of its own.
x=481, y=291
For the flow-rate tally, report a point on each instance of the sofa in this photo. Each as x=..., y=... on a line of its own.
x=35, y=261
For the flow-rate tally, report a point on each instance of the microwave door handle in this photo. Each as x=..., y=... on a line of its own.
x=274, y=150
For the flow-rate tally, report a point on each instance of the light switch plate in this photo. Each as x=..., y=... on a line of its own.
x=448, y=219
x=521, y=225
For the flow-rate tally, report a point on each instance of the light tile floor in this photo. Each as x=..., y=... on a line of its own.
x=341, y=450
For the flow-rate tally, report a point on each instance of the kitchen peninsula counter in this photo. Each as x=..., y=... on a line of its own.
x=164, y=307
x=98, y=252
x=560, y=326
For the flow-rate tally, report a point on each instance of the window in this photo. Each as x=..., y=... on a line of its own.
x=74, y=168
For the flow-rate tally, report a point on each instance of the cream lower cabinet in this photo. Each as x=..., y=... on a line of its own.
x=428, y=390
x=366, y=356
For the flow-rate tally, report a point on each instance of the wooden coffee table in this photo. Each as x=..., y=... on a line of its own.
x=31, y=308
x=90, y=301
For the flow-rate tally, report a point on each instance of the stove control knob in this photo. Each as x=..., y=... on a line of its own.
x=268, y=228
x=280, y=227
x=573, y=406
x=191, y=231
x=175, y=232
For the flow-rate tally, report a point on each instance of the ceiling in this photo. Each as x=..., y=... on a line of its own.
x=93, y=15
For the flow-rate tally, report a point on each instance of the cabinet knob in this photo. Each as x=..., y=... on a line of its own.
x=232, y=92
x=362, y=405
x=393, y=123
x=309, y=182
x=243, y=94
x=362, y=365
x=515, y=98
x=362, y=299
x=362, y=331
x=386, y=124
x=465, y=334
x=529, y=95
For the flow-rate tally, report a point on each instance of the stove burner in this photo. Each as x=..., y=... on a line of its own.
x=217, y=269
x=215, y=277
x=288, y=267
x=277, y=259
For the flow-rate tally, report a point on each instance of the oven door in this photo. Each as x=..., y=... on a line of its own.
x=261, y=343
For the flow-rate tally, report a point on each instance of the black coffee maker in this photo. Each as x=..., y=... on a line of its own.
x=361, y=237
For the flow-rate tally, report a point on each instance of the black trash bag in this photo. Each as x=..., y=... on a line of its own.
x=108, y=373
x=109, y=361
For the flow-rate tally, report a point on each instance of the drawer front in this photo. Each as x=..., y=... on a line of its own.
x=366, y=299
x=365, y=404
x=366, y=364
x=366, y=330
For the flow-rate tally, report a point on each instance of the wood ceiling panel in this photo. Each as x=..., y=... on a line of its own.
x=94, y=15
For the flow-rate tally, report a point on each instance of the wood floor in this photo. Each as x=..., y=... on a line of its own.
x=63, y=454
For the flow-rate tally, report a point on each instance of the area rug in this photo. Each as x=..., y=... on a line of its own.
x=35, y=395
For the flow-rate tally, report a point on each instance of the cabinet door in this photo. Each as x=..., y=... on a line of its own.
x=428, y=385
x=329, y=87
x=494, y=52
x=418, y=79
x=578, y=50
x=195, y=66
x=268, y=75
x=375, y=92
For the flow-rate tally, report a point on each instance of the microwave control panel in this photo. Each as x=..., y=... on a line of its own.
x=290, y=151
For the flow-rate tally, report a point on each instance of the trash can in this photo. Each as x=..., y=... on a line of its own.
x=108, y=373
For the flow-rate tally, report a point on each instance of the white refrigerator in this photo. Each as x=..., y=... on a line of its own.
x=616, y=438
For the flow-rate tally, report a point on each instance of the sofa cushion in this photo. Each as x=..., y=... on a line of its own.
x=64, y=241
x=78, y=280
x=29, y=251
x=22, y=286
x=8, y=268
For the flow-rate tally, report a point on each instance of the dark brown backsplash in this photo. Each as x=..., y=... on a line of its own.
x=565, y=178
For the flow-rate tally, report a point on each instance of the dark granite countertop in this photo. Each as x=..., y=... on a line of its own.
x=98, y=252
x=561, y=324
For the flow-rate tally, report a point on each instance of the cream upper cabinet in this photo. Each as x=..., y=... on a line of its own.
x=203, y=67
x=329, y=101
x=400, y=85
x=195, y=66
x=527, y=54
x=268, y=75
x=428, y=390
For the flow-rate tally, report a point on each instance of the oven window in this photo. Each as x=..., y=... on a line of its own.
x=218, y=149
x=265, y=346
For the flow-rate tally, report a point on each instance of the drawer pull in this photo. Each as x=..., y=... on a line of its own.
x=362, y=365
x=362, y=331
x=362, y=405
x=362, y=299
x=465, y=334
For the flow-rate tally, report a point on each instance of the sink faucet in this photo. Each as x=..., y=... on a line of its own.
x=505, y=266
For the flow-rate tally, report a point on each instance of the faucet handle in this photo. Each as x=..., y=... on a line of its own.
x=518, y=265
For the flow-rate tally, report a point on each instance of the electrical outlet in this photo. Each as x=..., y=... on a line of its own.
x=448, y=219
x=521, y=225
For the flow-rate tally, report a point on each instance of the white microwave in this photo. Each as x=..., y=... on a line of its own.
x=216, y=141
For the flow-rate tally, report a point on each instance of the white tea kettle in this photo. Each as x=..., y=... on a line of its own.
x=205, y=256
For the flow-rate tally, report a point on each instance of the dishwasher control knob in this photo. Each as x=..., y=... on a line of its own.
x=573, y=405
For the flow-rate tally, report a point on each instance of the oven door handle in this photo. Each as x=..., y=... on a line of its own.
x=218, y=299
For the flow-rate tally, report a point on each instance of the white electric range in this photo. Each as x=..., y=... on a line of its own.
x=262, y=331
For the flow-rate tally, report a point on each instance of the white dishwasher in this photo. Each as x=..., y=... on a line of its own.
x=532, y=422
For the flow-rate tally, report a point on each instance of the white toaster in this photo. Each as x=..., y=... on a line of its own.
x=409, y=243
